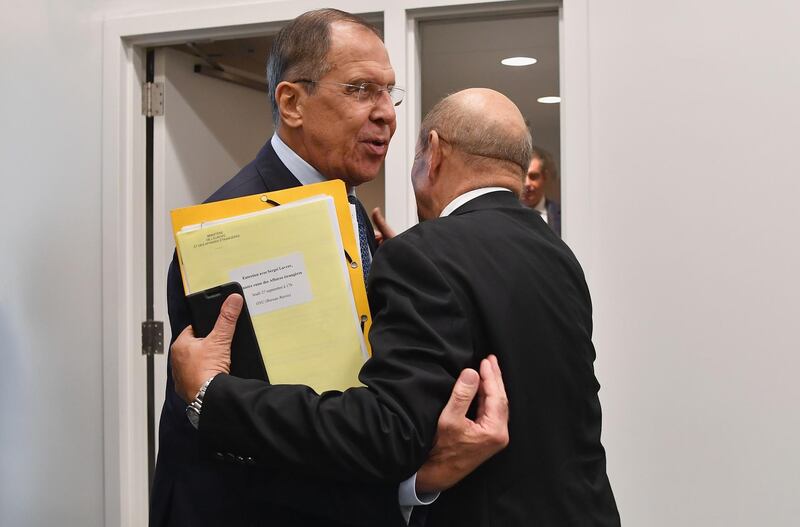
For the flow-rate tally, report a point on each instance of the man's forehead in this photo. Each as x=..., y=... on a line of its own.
x=364, y=70
x=343, y=30
x=353, y=43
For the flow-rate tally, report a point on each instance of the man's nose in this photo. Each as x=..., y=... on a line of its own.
x=383, y=109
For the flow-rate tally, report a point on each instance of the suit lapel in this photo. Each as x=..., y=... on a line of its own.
x=272, y=171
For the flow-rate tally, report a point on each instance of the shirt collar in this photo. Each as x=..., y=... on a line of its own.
x=541, y=207
x=299, y=167
x=305, y=173
x=466, y=197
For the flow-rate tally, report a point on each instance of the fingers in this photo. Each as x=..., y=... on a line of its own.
x=180, y=348
x=487, y=389
x=491, y=377
x=180, y=355
x=493, y=402
x=464, y=391
x=187, y=333
x=226, y=322
x=499, y=375
x=380, y=222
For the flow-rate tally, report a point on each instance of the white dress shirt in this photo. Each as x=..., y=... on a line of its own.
x=468, y=196
x=541, y=208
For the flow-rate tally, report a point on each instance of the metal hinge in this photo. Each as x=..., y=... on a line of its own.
x=152, y=99
x=152, y=337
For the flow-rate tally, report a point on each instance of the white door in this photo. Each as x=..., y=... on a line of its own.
x=210, y=129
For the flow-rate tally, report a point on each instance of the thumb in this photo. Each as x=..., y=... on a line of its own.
x=464, y=391
x=228, y=315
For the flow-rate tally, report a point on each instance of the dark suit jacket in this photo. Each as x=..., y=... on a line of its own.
x=553, y=215
x=490, y=278
x=195, y=486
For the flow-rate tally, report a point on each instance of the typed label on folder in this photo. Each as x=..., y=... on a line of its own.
x=274, y=284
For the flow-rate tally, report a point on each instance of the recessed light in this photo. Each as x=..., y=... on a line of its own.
x=549, y=100
x=518, y=61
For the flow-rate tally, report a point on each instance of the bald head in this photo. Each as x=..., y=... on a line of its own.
x=472, y=139
x=482, y=124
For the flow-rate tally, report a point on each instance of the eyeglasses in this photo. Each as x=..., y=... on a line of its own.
x=366, y=91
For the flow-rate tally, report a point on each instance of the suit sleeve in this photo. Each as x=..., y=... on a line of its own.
x=180, y=456
x=381, y=432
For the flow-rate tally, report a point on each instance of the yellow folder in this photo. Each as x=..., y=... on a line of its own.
x=295, y=253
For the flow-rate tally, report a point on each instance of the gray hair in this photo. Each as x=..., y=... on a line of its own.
x=477, y=135
x=301, y=47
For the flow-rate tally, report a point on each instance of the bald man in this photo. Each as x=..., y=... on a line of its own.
x=476, y=276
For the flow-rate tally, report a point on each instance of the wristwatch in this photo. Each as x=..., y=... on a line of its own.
x=194, y=408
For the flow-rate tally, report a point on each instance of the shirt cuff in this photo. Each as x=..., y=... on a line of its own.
x=407, y=497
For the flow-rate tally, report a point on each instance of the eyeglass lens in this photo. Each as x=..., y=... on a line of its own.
x=371, y=92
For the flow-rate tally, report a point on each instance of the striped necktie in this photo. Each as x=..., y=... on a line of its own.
x=363, y=241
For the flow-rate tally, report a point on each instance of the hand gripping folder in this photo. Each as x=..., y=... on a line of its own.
x=295, y=254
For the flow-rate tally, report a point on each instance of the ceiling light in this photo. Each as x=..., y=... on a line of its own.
x=518, y=61
x=549, y=100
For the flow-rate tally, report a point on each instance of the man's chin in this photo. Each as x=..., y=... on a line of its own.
x=360, y=178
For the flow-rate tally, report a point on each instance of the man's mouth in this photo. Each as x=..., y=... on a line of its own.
x=377, y=146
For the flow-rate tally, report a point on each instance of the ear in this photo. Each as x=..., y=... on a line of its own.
x=288, y=97
x=435, y=151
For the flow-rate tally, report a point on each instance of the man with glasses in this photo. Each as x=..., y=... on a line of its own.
x=333, y=95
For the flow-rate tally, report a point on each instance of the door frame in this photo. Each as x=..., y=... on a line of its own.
x=123, y=190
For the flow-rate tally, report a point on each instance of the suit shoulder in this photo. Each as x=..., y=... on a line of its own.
x=417, y=236
x=246, y=182
x=432, y=231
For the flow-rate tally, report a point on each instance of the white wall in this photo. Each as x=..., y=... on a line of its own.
x=51, y=392
x=694, y=256
x=51, y=449
x=213, y=128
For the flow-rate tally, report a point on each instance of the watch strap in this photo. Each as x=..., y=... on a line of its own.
x=196, y=406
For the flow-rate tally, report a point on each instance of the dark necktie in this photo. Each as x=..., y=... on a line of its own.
x=363, y=240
